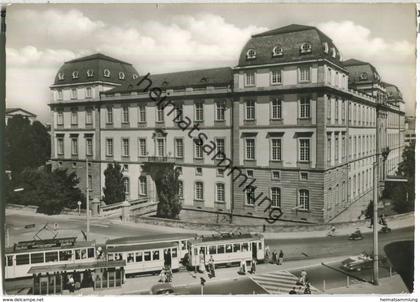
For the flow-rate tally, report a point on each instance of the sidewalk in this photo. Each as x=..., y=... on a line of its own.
x=389, y=285
x=143, y=284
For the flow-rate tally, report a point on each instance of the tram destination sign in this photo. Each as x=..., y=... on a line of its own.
x=45, y=243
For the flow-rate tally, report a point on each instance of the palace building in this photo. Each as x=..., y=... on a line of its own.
x=297, y=123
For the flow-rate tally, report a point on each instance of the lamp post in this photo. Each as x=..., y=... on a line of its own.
x=87, y=200
x=79, y=203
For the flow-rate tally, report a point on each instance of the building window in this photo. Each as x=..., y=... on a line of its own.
x=343, y=146
x=125, y=147
x=143, y=186
x=74, y=146
x=179, y=148
x=181, y=189
x=329, y=109
x=88, y=92
x=305, y=48
x=336, y=148
x=109, y=147
x=60, y=117
x=121, y=75
x=250, y=195
x=329, y=145
x=325, y=44
x=107, y=73
x=250, y=173
x=363, y=76
x=89, y=116
x=336, y=111
x=304, y=176
x=276, y=77
x=142, y=113
x=251, y=54
x=343, y=111
x=337, y=78
x=304, y=200
x=74, y=93
x=276, y=197
x=275, y=175
x=304, y=74
x=276, y=149
x=109, y=116
x=199, y=171
x=220, y=147
x=220, y=111
x=198, y=150
x=250, y=110
x=75, y=75
x=60, y=76
x=74, y=113
x=305, y=107
x=60, y=94
x=126, y=182
x=220, y=192
x=125, y=115
x=329, y=75
x=60, y=146
x=159, y=113
x=160, y=146
x=250, y=79
x=89, y=147
x=220, y=172
x=250, y=149
x=199, y=191
x=89, y=73
x=304, y=149
x=276, y=110
x=142, y=147
x=277, y=51
x=90, y=182
x=199, y=112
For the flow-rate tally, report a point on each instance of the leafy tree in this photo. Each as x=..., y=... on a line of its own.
x=114, y=184
x=51, y=191
x=26, y=145
x=165, y=177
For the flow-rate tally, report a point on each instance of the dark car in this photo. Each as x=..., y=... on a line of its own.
x=357, y=263
x=162, y=289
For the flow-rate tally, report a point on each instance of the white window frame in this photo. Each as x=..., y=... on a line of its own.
x=74, y=94
x=177, y=149
x=74, y=141
x=305, y=107
x=125, y=147
x=220, y=146
x=157, y=140
x=276, y=108
x=142, y=113
x=89, y=146
x=89, y=116
x=200, y=196
x=220, y=188
x=277, y=203
x=251, y=54
x=142, y=185
x=305, y=47
x=249, y=79
x=198, y=150
x=248, y=139
x=220, y=111
x=59, y=94
x=276, y=77
x=125, y=112
x=60, y=145
x=304, y=70
x=140, y=147
x=109, y=115
x=88, y=92
x=303, y=199
x=272, y=150
x=60, y=117
x=160, y=114
x=300, y=149
x=273, y=173
x=74, y=116
x=199, y=111
x=248, y=191
x=109, y=146
x=250, y=106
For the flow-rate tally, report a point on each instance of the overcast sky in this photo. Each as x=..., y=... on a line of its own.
x=174, y=37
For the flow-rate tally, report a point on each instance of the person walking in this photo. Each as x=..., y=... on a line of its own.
x=281, y=257
x=253, y=266
x=274, y=259
x=212, y=267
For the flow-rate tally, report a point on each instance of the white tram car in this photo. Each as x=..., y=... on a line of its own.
x=145, y=254
x=227, y=248
x=27, y=254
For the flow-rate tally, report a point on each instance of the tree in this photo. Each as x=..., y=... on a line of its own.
x=51, y=191
x=26, y=145
x=114, y=184
x=165, y=177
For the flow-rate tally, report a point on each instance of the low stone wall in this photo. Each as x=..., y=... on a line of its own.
x=271, y=228
x=20, y=207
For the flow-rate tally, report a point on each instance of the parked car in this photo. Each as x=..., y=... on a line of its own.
x=357, y=263
x=162, y=289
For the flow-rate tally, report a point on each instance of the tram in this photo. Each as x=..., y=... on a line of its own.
x=25, y=255
x=145, y=254
x=227, y=248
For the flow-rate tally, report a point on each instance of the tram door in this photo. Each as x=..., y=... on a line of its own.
x=254, y=250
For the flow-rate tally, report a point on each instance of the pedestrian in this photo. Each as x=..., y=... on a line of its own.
x=307, y=289
x=201, y=267
x=281, y=257
x=293, y=291
x=242, y=268
x=253, y=266
x=267, y=254
x=274, y=259
x=212, y=267
x=71, y=283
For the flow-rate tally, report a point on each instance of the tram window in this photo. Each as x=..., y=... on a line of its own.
x=220, y=249
x=22, y=259
x=212, y=249
x=51, y=256
x=9, y=260
x=130, y=257
x=110, y=256
x=228, y=248
x=118, y=256
x=183, y=244
x=83, y=253
x=155, y=255
x=91, y=252
x=236, y=247
x=174, y=252
x=65, y=255
x=77, y=253
x=259, y=245
x=139, y=256
x=147, y=256
x=244, y=247
x=37, y=258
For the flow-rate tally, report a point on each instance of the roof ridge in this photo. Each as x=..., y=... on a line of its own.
x=285, y=29
x=97, y=56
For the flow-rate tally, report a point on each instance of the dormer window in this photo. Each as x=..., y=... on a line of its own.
x=338, y=55
x=75, y=74
x=306, y=48
x=89, y=73
x=61, y=76
x=121, y=75
x=333, y=52
x=135, y=76
x=277, y=51
x=326, y=48
x=251, y=54
x=363, y=76
x=107, y=73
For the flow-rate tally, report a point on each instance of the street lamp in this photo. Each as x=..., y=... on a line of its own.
x=18, y=189
x=79, y=203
